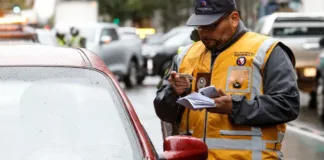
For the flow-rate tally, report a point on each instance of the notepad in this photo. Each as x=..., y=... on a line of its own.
x=200, y=100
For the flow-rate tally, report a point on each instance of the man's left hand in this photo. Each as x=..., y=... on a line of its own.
x=223, y=103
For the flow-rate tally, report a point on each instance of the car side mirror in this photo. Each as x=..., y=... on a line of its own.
x=105, y=40
x=321, y=42
x=184, y=148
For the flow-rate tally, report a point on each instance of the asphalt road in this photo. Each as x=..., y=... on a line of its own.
x=304, y=138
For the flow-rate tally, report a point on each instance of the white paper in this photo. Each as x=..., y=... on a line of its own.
x=196, y=101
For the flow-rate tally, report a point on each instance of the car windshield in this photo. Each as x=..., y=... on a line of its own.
x=62, y=113
x=298, y=31
x=88, y=33
x=177, y=40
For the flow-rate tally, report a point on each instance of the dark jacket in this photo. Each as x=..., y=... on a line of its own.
x=279, y=104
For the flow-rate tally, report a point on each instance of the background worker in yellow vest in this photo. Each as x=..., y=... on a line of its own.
x=76, y=40
x=254, y=75
x=60, y=38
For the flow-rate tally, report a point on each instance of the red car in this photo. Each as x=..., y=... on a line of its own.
x=63, y=103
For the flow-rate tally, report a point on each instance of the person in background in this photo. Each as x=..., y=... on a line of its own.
x=76, y=40
x=60, y=38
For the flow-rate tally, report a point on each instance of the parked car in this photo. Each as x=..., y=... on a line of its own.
x=64, y=103
x=17, y=34
x=301, y=32
x=122, y=56
x=159, y=56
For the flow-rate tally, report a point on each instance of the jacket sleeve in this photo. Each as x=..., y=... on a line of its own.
x=165, y=104
x=281, y=100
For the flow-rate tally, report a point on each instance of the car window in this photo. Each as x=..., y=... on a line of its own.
x=63, y=113
x=298, y=31
x=110, y=32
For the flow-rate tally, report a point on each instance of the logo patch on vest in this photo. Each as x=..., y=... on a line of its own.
x=241, y=61
x=203, y=3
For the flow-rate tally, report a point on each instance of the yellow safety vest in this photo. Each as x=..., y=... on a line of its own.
x=75, y=41
x=243, y=61
x=60, y=42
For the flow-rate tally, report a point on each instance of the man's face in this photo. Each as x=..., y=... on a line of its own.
x=217, y=34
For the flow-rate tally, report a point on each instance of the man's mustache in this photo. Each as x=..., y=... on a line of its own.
x=208, y=39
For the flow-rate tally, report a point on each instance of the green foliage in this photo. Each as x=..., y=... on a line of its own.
x=134, y=9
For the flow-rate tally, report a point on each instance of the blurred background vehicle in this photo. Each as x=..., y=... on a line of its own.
x=13, y=30
x=159, y=53
x=301, y=32
x=121, y=53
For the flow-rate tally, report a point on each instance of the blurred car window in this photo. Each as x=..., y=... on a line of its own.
x=298, y=31
x=110, y=32
x=178, y=39
x=67, y=113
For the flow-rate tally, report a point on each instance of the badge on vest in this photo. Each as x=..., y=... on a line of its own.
x=241, y=61
x=239, y=79
x=203, y=80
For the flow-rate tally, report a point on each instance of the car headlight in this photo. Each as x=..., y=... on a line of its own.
x=309, y=72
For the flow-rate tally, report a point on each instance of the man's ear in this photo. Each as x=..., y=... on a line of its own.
x=235, y=18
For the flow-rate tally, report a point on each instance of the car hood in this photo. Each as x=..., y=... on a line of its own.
x=152, y=50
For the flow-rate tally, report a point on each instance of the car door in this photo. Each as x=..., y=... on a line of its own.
x=111, y=50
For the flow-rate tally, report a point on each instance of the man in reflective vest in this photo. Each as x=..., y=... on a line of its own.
x=60, y=38
x=76, y=40
x=254, y=75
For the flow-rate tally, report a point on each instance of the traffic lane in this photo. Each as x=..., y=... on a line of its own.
x=301, y=145
x=142, y=99
x=308, y=118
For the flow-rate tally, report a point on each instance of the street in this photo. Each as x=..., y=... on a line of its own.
x=304, y=137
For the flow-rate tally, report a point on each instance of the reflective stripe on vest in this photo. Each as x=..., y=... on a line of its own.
x=258, y=62
x=243, y=144
x=182, y=54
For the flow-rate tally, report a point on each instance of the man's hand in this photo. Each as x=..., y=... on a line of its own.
x=178, y=84
x=223, y=103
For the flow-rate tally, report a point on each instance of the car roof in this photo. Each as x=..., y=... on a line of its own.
x=41, y=55
x=297, y=14
x=96, y=25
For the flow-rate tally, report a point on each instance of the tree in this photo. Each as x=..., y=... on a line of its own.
x=174, y=12
x=137, y=10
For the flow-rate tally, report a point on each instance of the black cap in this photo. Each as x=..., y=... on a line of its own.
x=209, y=11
